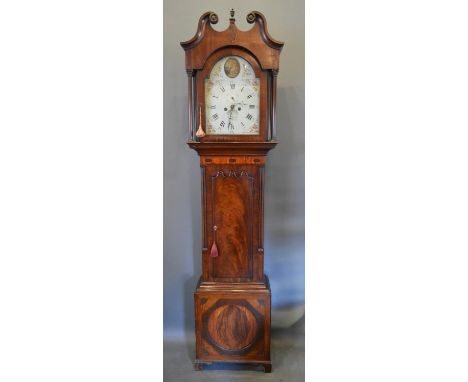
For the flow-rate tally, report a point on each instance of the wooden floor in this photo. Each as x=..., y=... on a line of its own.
x=287, y=352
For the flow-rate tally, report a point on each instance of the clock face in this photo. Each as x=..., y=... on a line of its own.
x=232, y=98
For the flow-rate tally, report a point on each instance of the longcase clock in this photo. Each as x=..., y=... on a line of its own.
x=232, y=78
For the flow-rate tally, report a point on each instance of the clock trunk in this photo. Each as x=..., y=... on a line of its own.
x=232, y=218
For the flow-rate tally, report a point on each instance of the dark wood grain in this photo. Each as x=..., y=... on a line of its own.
x=232, y=209
x=233, y=325
x=190, y=105
x=234, y=203
x=207, y=40
x=232, y=148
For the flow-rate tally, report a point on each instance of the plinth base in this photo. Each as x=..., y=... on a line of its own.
x=232, y=324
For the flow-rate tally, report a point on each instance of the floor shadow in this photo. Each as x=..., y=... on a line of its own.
x=217, y=366
x=285, y=341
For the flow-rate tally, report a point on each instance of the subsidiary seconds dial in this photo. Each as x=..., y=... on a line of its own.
x=232, y=95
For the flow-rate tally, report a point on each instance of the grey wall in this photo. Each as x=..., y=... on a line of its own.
x=284, y=198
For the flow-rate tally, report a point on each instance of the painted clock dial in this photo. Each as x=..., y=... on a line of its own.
x=232, y=98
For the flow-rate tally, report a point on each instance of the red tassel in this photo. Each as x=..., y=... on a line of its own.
x=214, y=250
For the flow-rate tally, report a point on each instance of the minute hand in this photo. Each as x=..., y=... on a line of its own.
x=230, y=115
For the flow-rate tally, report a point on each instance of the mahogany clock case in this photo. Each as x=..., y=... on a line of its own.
x=233, y=297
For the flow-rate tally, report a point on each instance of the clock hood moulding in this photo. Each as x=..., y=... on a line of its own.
x=236, y=148
x=257, y=41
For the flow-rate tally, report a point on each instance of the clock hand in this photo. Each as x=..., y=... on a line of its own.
x=230, y=115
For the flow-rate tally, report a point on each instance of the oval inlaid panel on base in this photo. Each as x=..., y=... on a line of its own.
x=232, y=327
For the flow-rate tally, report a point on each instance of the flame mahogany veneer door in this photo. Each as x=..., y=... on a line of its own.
x=232, y=219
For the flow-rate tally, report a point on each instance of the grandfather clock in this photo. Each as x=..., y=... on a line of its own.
x=232, y=117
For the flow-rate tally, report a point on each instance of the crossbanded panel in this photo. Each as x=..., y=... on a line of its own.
x=233, y=326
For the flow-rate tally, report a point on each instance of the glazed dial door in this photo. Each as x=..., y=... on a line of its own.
x=232, y=98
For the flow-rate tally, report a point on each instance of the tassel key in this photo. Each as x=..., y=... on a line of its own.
x=214, y=247
x=214, y=250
